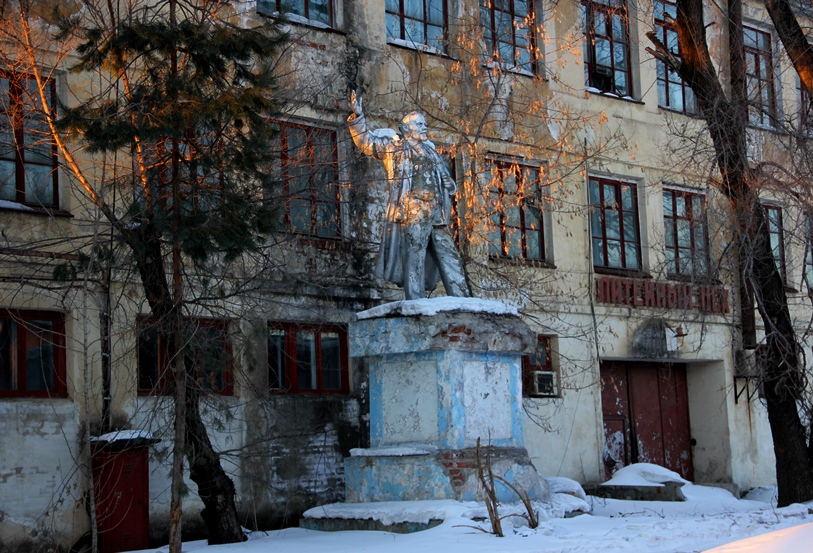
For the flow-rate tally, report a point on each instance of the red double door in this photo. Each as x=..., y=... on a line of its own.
x=646, y=416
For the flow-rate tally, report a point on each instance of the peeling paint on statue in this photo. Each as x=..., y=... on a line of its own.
x=417, y=248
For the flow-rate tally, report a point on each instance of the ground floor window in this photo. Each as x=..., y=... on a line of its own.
x=207, y=349
x=539, y=377
x=307, y=358
x=32, y=354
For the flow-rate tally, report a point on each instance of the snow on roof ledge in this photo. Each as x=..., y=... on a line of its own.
x=433, y=306
x=123, y=436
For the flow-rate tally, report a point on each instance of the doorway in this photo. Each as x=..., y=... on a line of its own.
x=645, y=407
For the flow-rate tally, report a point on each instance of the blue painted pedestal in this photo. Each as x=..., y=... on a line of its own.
x=438, y=384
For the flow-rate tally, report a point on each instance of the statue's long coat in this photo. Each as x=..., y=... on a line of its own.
x=396, y=153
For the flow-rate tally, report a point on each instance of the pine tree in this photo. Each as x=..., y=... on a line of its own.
x=189, y=98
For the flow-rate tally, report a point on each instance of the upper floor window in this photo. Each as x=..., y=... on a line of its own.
x=773, y=216
x=607, y=46
x=309, y=168
x=809, y=251
x=417, y=21
x=805, y=120
x=207, y=355
x=319, y=11
x=28, y=158
x=672, y=91
x=759, y=77
x=685, y=234
x=32, y=354
x=307, y=359
x=508, y=30
x=539, y=377
x=614, y=224
x=515, y=224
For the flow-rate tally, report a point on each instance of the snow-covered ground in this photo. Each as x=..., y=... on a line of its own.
x=710, y=517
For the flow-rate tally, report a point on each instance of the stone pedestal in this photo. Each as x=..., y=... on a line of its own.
x=439, y=381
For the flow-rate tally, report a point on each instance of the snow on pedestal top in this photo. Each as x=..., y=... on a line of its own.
x=433, y=306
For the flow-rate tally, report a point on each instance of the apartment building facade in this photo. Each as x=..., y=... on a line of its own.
x=586, y=198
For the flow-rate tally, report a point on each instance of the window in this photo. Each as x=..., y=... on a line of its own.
x=672, y=92
x=607, y=46
x=417, y=21
x=313, y=10
x=508, y=30
x=308, y=165
x=539, y=378
x=307, y=359
x=685, y=234
x=759, y=77
x=805, y=121
x=614, y=225
x=207, y=349
x=809, y=250
x=32, y=354
x=27, y=155
x=773, y=216
x=515, y=225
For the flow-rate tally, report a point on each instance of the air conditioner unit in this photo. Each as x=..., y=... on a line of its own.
x=544, y=383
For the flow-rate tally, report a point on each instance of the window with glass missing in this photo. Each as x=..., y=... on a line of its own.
x=607, y=47
x=417, y=22
x=28, y=160
x=515, y=225
x=309, y=170
x=307, y=359
x=508, y=32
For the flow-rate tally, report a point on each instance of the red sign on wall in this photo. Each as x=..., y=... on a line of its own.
x=665, y=295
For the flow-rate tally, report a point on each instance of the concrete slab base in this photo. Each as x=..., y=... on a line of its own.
x=441, y=474
x=670, y=491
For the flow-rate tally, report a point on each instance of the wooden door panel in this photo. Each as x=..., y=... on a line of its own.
x=646, y=416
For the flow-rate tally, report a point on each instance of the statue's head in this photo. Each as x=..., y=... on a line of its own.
x=413, y=127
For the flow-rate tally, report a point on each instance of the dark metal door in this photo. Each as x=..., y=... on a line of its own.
x=122, y=496
x=646, y=416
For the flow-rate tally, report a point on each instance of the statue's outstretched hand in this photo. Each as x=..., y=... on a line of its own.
x=355, y=101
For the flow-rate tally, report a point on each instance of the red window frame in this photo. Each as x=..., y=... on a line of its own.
x=759, y=73
x=160, y=380
x=684, y=215
x=606, y=22
x=517, y=49
x=317, y=198
x=514, y=211
x=18, y=371
x=20, y=110
x=673, y=93
x=604, y=208
x=776, y=229
x=283, y=363
x=540, y=360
